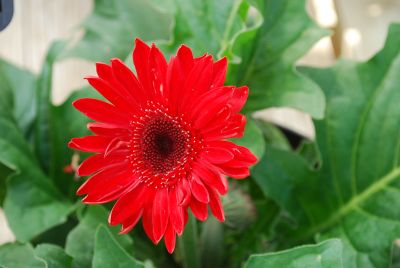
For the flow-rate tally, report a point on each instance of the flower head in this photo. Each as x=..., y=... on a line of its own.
x=160, y=142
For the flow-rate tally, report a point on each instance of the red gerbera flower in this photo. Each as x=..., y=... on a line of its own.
x=161, y=141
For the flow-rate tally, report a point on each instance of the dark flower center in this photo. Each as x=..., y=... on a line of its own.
x=163, y=144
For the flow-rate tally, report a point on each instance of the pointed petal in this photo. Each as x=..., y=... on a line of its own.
x=200, y=210
x=176, y=211
x=210, y=177
x=216, y=206
x=217, y=155
x=98, y=162
x=96, y=144
x=128, y=205
x=102, y=112
x=219, y=72
x=131, y=222
x=199, y=191
x=160, y=213
x=170, y=239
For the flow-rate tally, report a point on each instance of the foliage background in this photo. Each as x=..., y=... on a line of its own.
x=341, y=191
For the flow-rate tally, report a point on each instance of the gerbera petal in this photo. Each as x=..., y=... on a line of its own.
x=97, y=144
x=131, y=222
x=185, y=57
x=200, y=210
x=197, y=82
x=219, y=72
x=107, y=185
x=239, y=98
x=216, y=206
x=127, y=205
x=102, y=112
x=218, y=155
x=109, y=91
x=160, y=213
x=98, y=162
x=158, y=69
x=140, y=56
x=210, y=177
x=170, y=238
x=107, y=130
x=235, y=172
x=199, y=190
x=147, y=218
x=126, y=77
x=176, y=214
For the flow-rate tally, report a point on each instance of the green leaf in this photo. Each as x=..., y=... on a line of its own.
x=268, y=55
x=54, y=256
x=21, y=86
x=112, y=27
x=207, y=26
x=356, y=192
x=81, y=240
x=108, y=253
x=43, y=127
x=19, y=256
x=32, y=203
x=324, y=255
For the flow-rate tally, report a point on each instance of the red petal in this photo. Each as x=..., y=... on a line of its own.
x=200, y=210
x=236, y=173
x=158, y=67
x=147, y=219
x=185, y=57
x=107, y=130
x=96, y=144
x=199, y=191
x=126, y=77
x=176, y=213
x=219, y=72
x=239, y=98
x=217, y=155
x=210, y=177
x=197, y=82
x=234, y=128
x=111, y=92
x=102, y=112
x=131, y=222
x=141, y=55
x=170, y=239
x=127, y=205
x=216, y=206
x=160, y=213
x=98, y=162
x=107, y=186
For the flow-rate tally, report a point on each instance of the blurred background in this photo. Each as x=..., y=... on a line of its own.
x=358, y=27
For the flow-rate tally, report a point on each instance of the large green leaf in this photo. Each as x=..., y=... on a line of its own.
x=32, y=203
x=81, y=240
x=19, y=256
x=112, y=27
x=268, y=54
x=20, y=84
x=108, y=253
x=208, y=26
x=54, y=256
x=355, y=195
x=327, y=254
